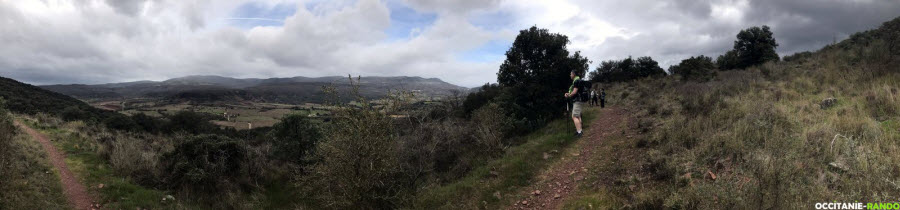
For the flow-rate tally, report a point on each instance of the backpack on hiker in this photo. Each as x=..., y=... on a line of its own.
x=583, y=94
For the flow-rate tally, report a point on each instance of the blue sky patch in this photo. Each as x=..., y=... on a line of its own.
x=405, y=21
x=253, y=14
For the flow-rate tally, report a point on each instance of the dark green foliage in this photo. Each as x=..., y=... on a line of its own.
x=28, y=99
x=798, y=56
x=477, y=99
x=626, y=70
x=294, y=139
x=206, y=163
x=890, y=33
x=74, y=113
x=148, y=123
x=192, y=122
x=535, y=74
x=359, y=161
x=695, y=68
x=728, y=61
x=121, y=122
x=755, y=46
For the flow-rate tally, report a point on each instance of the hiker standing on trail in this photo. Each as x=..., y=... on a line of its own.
x=602, y=98
x=578, y=93
x=593, y=96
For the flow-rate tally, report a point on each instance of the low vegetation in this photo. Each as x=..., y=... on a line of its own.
x=780, y=135
x=29, y=182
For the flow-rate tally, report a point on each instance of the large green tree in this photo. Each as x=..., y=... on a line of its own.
x=755, y=46
x=536, y=74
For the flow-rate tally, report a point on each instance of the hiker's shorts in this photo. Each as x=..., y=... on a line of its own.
x=576, y=109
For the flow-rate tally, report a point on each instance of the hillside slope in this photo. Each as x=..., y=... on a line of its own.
x=818, y=127
x=29, y=99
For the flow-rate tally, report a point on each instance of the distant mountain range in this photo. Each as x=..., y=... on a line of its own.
x=293, y=90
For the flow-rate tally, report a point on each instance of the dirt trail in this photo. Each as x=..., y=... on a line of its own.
x=558, y=182
x=75, y=192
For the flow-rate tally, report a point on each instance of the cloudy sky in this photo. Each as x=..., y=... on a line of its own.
x=462, y=42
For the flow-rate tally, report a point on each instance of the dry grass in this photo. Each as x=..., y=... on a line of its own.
x=763, y=134
x=27, y=181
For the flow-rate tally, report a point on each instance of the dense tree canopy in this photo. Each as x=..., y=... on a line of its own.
x=695, y=68
x=753, y=46
x=536, y=73
x=626, y=70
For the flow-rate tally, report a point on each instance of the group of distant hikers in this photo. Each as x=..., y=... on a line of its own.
x=578, y=95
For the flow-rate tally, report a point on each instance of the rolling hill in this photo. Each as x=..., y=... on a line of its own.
x=29, y=99
x=293, y=90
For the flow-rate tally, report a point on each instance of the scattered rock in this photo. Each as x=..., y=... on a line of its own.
x=498, y=196
x=711, y=175
x=546, y=156
x=840, y=166
x=827, y=103
x=494, y=173
x=170, y=197
x=579, y=178
x=556, y=196
x=525, y=203
x=100, y=186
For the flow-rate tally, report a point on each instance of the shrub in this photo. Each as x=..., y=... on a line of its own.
x=131, y=156
x=882, y=102
x=358, y=160
x=294, y=139
x=492, y=126
x=121, y=122
x=446, y=149
x=192, y=122
x=73, y=113
x=148, y=123
x=483, y=96
x=695, y=68
x=207, y=164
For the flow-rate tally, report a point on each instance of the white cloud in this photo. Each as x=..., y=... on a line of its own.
x=84, y=41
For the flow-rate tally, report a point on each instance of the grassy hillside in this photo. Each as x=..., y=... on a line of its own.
x=28, y=180
x=490, y=185
x=764, y=137
x=29, y=99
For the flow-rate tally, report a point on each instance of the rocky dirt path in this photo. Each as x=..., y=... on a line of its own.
x=557, y=183
x=75, y=192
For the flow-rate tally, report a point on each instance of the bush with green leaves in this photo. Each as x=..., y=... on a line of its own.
x=192, y=122
x=294, y=139
x=626, y=70
x=207, y=164
x=121, y=122
x=695, y=68
x=358, y=160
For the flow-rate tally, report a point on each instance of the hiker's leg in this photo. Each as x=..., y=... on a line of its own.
x=576, y=115
x=577, y=123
